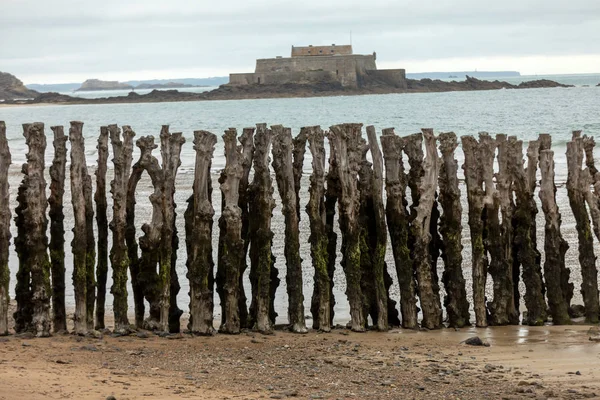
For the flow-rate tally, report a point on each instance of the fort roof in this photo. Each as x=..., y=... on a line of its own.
x=307, y=51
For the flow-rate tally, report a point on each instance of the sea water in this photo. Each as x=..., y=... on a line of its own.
x=524, y=113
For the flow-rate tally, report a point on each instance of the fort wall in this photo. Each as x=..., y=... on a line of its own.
x=320, y=51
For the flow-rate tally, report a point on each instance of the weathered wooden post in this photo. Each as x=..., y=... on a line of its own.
x=386, y=311
x=24, y=311
x=79, y=245
x=333, y=192
x=473, y=170
x=320, y=303
x=231, y=245
x=264, y=273
x=122, y=151
x=457, y=306
x=499, y=240
x=426, y=183
x=199, y=224
x=578, y=184
x=57, y=229
x=102, y=224
x=170, y=149
x=284, y=174
x=398, y=225
x=5, y=161
x=555, y=247
x=524, y=227
x=299, y=150
x=345, y=142
x=247, y=142
x=35, y=225
x=589, y=174
x=90, y=249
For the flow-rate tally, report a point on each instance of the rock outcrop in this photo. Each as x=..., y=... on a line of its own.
x=97, y=84
x=12, y=88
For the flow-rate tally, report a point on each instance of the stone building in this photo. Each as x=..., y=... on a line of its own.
x=319, y=64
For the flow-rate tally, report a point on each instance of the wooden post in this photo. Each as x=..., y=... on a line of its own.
x=36, y=224
x=333, y=192
x=320, y=303
x=247, y=142
x=299, y=150
x=578, y=186
x=102, y=223
x=170, y=149
x=345, y=142
x=199, y=224
x=499, y=240
x=524, y=225
x=5, y=161
x=122, y=150
x=284, y=173
x=386, y=310
x=57, y=229
x=456, y=303
x=231, y=244
x=261, y=212
x=90, y=248
x=555, y=247
x=24, y=311
x=427, y=285
x=398, y=225
x=79, y=243
x=473, y=170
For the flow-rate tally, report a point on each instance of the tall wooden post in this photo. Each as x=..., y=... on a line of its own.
x=102, y=223
x=199, y=224
x=578, y=186
x=231, y=244
x=122, y=151
x=284, y=173
x=5, y=161
x=345, y=142
x=398, y=224
x=457, y=306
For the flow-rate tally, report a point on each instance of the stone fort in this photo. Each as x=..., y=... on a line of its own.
x=318, y=64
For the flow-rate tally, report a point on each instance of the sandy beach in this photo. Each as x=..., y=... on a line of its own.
x=521, y=362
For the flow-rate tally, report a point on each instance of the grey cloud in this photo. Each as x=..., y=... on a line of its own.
x=74, y=36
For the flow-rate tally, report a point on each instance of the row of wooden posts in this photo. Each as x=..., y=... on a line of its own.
x=501, y=214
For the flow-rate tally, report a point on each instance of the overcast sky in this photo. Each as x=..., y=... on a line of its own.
x=51, y=41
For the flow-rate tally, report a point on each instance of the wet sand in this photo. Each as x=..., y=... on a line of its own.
x=539, y=362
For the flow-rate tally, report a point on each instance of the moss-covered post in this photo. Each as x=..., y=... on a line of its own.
x=555, y=247
x=473, y=170
x=262, y=260
x=170, y=150
x=320, y=307
x=578, y=185
x=499, y=239
x=284, y=174
x=5, y=161
x=57, y=229
x=247, y=142
x=35, y=225
x=333, y=192
x=398, y=225
x=428, y=289
x=386, y=308
x=346, y=142
x=122, y=151
x=231, y=244
x=102, y=224
x=524, y=239
x=79, y=243
x=456, y=303
x=23, y=313
x=199, y=224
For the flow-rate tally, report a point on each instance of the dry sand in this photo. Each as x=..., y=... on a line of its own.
x=522, y=362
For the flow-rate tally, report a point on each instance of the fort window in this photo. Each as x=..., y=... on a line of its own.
x=259, y=80
x=337, y=72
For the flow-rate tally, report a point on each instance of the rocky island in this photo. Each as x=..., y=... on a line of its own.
x=11, y=88
x=97, y=84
